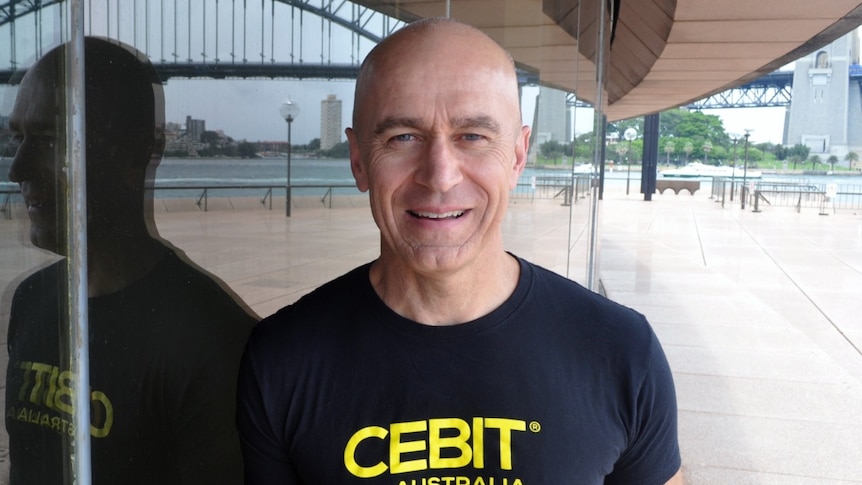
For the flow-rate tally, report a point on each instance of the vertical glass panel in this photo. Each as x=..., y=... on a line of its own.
x=34, y=306
x=219, y=191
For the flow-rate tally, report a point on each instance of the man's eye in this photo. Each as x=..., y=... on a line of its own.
x=403, y=137
x=473, y=137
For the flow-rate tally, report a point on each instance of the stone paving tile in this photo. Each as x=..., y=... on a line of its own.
x=758, y=313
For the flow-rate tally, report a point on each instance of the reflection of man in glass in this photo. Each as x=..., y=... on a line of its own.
x=165, y=338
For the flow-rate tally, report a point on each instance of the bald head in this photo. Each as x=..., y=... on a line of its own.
x=124, y=133
x=440, y=53
x=124, y=101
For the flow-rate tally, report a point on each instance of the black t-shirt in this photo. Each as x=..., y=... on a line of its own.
x=557, y=385
x=164, y=354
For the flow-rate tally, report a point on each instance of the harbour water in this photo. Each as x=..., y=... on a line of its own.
x=184, y=177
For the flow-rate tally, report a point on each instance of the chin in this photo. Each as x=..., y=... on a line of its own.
x=46, y=240
x=435, y=259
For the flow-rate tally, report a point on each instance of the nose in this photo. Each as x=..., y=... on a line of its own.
x=440, y=169
x=33, y=158
x=18, y=168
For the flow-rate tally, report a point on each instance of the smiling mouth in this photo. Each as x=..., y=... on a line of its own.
x=436, y=215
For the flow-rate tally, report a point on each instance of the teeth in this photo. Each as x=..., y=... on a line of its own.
x=436, y=215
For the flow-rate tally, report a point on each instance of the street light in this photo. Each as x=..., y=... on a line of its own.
x=745, y=167
x=734, y=137
x=630, y=134
x=289, y=111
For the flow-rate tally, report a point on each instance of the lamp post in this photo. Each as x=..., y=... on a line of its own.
x=745, y=168
x=734, y=137
x=630, y=134
x=289, y=110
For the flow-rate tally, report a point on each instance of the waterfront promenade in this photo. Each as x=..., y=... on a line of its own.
x=759, y=313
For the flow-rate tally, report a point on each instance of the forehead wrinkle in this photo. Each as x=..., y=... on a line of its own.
x=394, y=122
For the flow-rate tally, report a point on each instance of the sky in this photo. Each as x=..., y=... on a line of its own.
x=248, y=110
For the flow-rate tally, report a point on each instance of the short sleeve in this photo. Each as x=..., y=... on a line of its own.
x=652, y=455
x=264, y=456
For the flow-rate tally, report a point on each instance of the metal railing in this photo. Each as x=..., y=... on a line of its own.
x=798, y=195
x=202, y=200
x=563, y=187
x=784, y=194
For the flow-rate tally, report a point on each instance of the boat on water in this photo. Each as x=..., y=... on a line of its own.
x=697, y=169
x=582, y=168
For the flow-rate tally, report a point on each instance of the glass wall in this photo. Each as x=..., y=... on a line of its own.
x=218, y=190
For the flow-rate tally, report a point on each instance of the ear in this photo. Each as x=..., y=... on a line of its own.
x=522, y=147
x=359, y=173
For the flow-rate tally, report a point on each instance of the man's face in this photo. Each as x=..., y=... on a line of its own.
x=439, y=145
x=36, y=167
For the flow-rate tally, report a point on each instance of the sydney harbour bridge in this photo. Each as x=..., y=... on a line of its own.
x=242, y=39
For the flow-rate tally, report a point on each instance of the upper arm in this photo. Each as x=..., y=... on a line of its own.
x=653, y=449
x=264, y=454
x=676, y=479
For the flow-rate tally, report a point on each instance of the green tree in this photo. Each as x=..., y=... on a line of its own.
x=831, y=161
x=694, y=125
x=551, y=150
x=669, y=148
x=246, y=150
x=687, y=148
x=815, y=160
x=795, y=159
x=801, y=150
x=707, y=147
x=851, y=157
x=210, y=137
x=339, y=150
x=583, y=149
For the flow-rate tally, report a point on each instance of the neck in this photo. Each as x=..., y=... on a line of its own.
x=118, y=259
x=449, y=297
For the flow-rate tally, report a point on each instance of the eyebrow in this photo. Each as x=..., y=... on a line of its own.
x=485, y=122
x=392, y=122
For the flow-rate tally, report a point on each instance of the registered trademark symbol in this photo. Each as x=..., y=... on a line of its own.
x=535, y=427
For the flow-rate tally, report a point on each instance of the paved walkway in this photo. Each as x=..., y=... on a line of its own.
x=758, y=312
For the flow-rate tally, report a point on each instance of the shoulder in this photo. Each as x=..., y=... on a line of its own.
x=561, y=294
x=321, y=312
x=587, y=321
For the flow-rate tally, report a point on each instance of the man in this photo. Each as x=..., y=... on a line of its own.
x=448, y=360
x=165, y=338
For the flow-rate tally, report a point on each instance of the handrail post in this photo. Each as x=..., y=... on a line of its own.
x=7, y=207
x=203, y=198
x=267, y=195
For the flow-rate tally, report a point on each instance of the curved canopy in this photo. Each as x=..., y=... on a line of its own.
x=663, y=53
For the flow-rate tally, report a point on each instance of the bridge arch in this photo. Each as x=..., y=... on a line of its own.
x=213, y=38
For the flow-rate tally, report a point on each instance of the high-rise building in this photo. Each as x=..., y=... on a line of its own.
x=194, y=128
x=330, y=122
